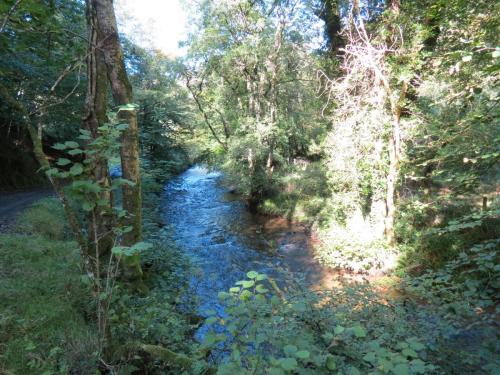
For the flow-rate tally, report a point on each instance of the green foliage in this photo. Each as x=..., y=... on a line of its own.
x=246, y=167
x=432, y=234
x=260, y=325
x=256, y=93
x=300, y=193
x=465, y=283
x=84, y=191
x=351, y=254
x=41, y=66
x=44, y=325
x=162, y=317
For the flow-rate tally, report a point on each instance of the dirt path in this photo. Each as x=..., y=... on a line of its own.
x=11, y=204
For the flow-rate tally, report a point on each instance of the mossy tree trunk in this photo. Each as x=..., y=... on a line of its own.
x=122, y=94
x=101, y=238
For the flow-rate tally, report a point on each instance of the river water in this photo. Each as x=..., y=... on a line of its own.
x=225, y=241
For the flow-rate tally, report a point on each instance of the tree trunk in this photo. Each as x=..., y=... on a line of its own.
x=129, y=151
x=391, y=190
x=95, y=105
x=394, y=158
x=330, y=14
x=273, y=93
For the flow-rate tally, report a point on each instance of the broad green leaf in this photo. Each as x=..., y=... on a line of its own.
x=75, y=151
x=88, y=206
x=118, y=250
x=330, y=363
x=59, y=146
x=71, y=144
x=302, y=354
x=252, y=274
x=369, y=357
x=122, y=127
x=338, y=330
x=415, y=345
x=142, y=246
x=359, y=331
x=401, y=369
x=63, y=161
x=410, y=353
x=245, y=295
x=299, y=307
x=76, y=169
x=288, y=364
x=248, y=283
x=52, y=172
x=261, y=289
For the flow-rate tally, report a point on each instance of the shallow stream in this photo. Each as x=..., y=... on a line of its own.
x=225, y=241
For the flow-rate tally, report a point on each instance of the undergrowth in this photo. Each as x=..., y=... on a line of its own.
x=47, y=321
x=45, y=324
x=350, y=330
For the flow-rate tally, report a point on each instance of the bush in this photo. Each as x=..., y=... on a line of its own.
x=343, y=331
x=431, y=235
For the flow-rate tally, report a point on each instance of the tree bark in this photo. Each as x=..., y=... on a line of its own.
x=95, y=106
x=394, y=158
x=273, y=93
x=129, y=151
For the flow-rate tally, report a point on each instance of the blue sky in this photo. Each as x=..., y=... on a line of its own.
x=160, y=24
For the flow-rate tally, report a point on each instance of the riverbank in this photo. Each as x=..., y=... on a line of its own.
x=214, y=259
x=349, y=247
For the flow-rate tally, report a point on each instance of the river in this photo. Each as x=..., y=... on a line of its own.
x=225, y=241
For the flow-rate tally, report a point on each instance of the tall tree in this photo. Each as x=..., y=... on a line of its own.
x=129, y=151
x=95, y=107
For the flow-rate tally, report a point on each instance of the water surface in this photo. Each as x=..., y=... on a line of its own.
x=225, y=241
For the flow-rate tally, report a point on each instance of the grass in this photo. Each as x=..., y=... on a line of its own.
x=43, y=304
x=47, y=315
